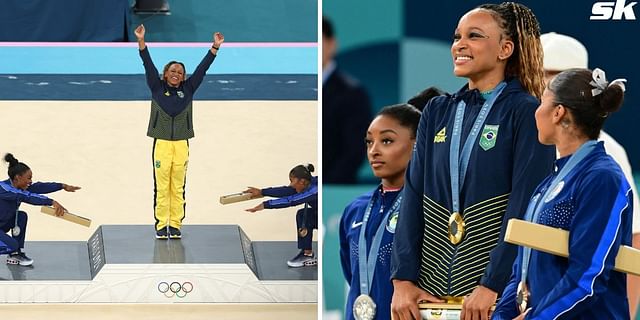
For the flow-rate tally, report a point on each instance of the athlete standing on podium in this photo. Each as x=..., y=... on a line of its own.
x=170, y=126
x=477, y=161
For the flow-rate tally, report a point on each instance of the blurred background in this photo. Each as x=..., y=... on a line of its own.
x=395, y=49
x=166, y=20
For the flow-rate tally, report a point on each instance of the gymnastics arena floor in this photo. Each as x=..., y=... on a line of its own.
x=78, y=113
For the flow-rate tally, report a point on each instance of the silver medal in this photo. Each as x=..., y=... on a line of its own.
x=15, y=231
x=364, y=308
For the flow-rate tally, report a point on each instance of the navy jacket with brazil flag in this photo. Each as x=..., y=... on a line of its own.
x=507, y=163
x=171, y=115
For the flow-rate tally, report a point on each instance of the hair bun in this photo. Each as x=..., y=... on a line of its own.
x=10, y=159
x=310, y=167
x=612, y=98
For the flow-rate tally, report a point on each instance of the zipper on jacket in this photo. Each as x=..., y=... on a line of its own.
x=453, y=258
x=172, y=126
x=155, y=118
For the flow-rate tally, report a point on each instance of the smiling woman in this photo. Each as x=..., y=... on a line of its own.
x=476, y=162
x=17, y=189
x=170, y=126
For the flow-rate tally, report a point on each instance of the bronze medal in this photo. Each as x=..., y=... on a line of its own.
x=522, y=297
x=303, y=232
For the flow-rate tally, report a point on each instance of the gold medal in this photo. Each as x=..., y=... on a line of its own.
x=303, y=232
x=522, y=297
x=364, y=308
x=456, y=228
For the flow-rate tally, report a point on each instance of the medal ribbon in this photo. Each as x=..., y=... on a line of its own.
x=367, y=264
x=534, y=208
x=458, y=163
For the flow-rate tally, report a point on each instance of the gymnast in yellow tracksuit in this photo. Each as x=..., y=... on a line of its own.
x=170, y=126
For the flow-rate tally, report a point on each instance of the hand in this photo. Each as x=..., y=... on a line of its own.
x=60, y=210
x=255, y=192
x=404, y=303
x=522, y=315
x=70, y=188
x=218, y=39
x=139, y=32
x=256, y=208
x=477, y=306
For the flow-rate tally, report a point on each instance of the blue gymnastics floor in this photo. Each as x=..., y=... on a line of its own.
x=98, y=71
x=134, y=87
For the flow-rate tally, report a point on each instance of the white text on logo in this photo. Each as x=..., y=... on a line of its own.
x=618, y=10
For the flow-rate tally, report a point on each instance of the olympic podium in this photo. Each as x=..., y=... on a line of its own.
x=126, y=264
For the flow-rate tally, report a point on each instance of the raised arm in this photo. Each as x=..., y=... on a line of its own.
x=151, y=73
x=139, y=32
x=218, y=39
x=196, y=78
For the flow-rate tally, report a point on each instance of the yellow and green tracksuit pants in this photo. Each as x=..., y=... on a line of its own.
x=170, y=159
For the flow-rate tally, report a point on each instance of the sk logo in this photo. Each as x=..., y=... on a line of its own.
x=489, y=136
x=441, y=136
x=619, y=10
x=158, y=164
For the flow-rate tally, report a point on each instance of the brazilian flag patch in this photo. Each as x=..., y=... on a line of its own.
x=489, y=136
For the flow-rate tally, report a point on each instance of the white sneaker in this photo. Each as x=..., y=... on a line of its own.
x=19, y=258
x=302, y=260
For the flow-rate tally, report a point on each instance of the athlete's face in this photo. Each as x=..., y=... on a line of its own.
x=389, y=147
x=22, y=181
x=174, y=75
x=297, y=183
x=548, y=117
x=479, y=47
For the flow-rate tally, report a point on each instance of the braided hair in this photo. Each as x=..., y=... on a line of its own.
x=521, y=26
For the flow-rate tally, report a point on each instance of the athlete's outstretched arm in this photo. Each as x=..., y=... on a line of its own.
x=139, y=32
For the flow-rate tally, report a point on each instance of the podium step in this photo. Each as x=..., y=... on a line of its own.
x=126, y=264
x=53, y=260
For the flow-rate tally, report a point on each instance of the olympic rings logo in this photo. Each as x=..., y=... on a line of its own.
x=175, y=289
